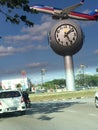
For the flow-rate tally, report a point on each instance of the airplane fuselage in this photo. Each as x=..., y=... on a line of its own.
x=81, y=16
x=57, y=13
x=47, y=10
x=44, y=9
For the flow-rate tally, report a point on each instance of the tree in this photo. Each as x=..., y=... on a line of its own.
x=16, y=18
x=90, y=80
x=0, y=87
x=56, y=82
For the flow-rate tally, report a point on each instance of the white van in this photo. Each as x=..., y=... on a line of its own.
x=11, y=101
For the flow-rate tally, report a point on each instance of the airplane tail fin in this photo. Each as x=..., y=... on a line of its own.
x=95, y=13
x=82, y=1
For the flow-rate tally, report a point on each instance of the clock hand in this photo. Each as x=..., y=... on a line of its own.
x=68, y=38
x=71, y=30
x=66, y=33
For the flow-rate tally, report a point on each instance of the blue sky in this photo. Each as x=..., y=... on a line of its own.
x=25, y=48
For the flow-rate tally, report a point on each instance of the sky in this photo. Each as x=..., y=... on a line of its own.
x=27, y=49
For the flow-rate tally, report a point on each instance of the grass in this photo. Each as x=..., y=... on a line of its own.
x=62, y=96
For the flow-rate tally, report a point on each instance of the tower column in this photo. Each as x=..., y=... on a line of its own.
x=69, y=68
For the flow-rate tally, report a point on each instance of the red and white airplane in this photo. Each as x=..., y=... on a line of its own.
x=67, y=12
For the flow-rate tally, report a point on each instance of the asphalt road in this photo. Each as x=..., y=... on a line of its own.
x=77, y=114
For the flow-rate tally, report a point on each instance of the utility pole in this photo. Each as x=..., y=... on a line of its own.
x=43, y=71
x=83, y=66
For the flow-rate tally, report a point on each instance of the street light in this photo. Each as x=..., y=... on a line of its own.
x=43, y=71
x=96, y=69
x=83, y=66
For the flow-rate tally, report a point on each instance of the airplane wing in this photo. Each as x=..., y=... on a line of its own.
x=71, y=8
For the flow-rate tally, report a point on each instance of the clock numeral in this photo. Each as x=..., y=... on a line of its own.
x=57, y=35
x=65, y=26
x=66, y=35
x=66, y=43
x=62, y=42
x=70, y=27
x=73, y=38
x=75, y=34
x=58, y=31
x=58, y=40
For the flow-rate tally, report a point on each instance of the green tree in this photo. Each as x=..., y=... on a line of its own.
x=55, y=83
x=12, y=7
x=89, y=80
x=0, y=87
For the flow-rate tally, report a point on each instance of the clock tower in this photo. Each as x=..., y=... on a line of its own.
x=66, y=39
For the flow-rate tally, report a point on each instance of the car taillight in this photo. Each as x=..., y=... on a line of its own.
x=22, y=100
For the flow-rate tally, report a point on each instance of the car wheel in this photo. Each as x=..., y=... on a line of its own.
x=23, y=112
x=96, y=102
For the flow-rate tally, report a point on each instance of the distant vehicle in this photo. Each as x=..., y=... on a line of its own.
x=12, y=101
x=67, y=12
x=96, y=99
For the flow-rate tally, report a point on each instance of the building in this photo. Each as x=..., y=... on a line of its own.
x=12, y=83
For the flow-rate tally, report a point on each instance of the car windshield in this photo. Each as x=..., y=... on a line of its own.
x=9, y=94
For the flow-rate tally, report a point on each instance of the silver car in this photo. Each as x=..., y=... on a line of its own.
x=11, y=101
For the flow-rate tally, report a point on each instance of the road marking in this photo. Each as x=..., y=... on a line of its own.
x=71, y=111
x=94, y=115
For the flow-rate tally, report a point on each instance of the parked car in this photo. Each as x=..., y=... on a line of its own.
x=96, y=99
x=11, y=101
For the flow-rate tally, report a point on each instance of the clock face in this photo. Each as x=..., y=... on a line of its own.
x=66, y=35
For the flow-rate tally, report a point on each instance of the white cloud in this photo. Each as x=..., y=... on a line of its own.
x=40, y=47
x=29, y=38
x=30, y=34
x=96, y=52
x=4, y=51
x=16, y=39
x=37, y=64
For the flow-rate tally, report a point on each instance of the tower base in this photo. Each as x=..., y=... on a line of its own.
x=70, y=80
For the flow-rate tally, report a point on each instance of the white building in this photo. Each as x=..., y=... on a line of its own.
x=12, y=83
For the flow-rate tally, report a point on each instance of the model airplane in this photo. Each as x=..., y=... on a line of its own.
x=66, y=12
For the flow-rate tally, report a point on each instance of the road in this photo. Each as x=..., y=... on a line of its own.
x=77, y=114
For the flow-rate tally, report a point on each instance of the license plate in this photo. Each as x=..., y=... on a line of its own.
x=13, y=108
